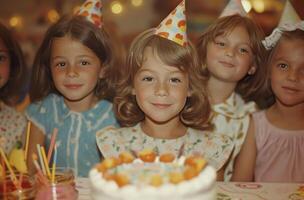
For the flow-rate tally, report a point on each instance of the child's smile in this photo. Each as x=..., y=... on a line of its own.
x=161, y=90
x=75, y=73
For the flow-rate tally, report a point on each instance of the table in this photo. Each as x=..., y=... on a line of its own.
x=233, y=190
x=259, y=191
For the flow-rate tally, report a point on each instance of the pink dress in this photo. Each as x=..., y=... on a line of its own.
x=280, y=153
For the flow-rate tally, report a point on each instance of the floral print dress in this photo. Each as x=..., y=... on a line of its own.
x=215, y=148
x=12, y=126
x=231, y=118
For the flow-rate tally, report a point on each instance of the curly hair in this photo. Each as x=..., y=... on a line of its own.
x=11, y=91
x=195, y=113
x=249, y=86
x=96, y=39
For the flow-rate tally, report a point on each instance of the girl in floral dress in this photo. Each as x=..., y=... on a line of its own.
x=12, y=69
x=162, y=101
x=231, y=53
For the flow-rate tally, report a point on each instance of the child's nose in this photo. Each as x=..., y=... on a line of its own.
x=293, y=75
x=161, y=89
x=229, y=51
x=72, y=71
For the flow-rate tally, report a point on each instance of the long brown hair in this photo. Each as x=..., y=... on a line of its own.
x=96, y=39
x=250, y=85
x=11, y=91
x=196, y=112
x=287, y=35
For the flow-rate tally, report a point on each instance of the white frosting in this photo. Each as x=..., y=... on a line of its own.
x=199, y=187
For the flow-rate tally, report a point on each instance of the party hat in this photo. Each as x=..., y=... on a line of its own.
x=91, y=9
x=232, y=8
x=289, y=21
x=174, y=27
x=289, y=15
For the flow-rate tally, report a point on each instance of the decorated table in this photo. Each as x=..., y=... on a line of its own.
x=233, y=190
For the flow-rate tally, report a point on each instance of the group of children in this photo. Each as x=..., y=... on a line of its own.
x=168, y=96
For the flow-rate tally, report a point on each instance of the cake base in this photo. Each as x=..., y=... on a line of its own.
x=198, y=188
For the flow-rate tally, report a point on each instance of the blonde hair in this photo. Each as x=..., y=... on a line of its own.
x=196, y=112
x=250, y=85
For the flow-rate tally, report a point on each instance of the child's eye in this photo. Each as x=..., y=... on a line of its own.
x=147, y=78
x=219, y=43
x=243, y=50
x=60, y=64
x=3, y=58
x=283, y=66
x=84, y=63
x=175, y=80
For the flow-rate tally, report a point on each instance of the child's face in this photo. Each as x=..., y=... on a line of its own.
x=287, y=72
x=161, y=90
x=4, y=64
x=229, y=57
x=75, y=69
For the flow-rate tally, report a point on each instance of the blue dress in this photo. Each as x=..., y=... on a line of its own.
x=76, y=143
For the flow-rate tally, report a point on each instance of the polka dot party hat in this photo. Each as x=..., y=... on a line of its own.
x=174, y=27
x=91, y=9
x=232, y=8
x=289, y=15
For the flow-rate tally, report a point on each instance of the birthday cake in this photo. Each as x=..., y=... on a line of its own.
x=148, y=176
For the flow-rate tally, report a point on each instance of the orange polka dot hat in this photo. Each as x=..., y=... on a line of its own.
x=174, y=26
x=91, y=9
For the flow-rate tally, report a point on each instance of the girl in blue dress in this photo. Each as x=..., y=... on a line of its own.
x=73, y=75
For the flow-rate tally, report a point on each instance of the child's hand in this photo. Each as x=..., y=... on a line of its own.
x=59, y=192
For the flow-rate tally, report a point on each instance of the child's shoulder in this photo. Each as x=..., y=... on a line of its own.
x=209, y=136
x=216, y=148
x=235, y=107
x=111, y=140
x=11, y=114
x=47, y=108
x=102, y=106
x=52, y=100
x=112, y=131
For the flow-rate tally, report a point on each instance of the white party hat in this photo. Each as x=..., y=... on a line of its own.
x=232, y=8
x=289, y=15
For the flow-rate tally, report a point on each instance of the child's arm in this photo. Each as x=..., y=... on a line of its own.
x=220, y=173
x=36, y=137
x=245, y=162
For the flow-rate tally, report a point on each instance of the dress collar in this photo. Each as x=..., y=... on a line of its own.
x=234, y=107
x=101, y=108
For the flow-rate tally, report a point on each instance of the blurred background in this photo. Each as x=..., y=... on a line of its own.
x=126, y=18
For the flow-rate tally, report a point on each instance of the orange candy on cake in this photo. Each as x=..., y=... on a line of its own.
x=190, y=168
x=126, y=157
x=147, y=155
x=166, y=157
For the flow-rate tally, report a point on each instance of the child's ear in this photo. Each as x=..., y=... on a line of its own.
x=189, y=93
x=102, y=73
x=252, y=70
x=133, y=91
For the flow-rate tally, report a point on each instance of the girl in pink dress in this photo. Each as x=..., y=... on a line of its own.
x=273, y=150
